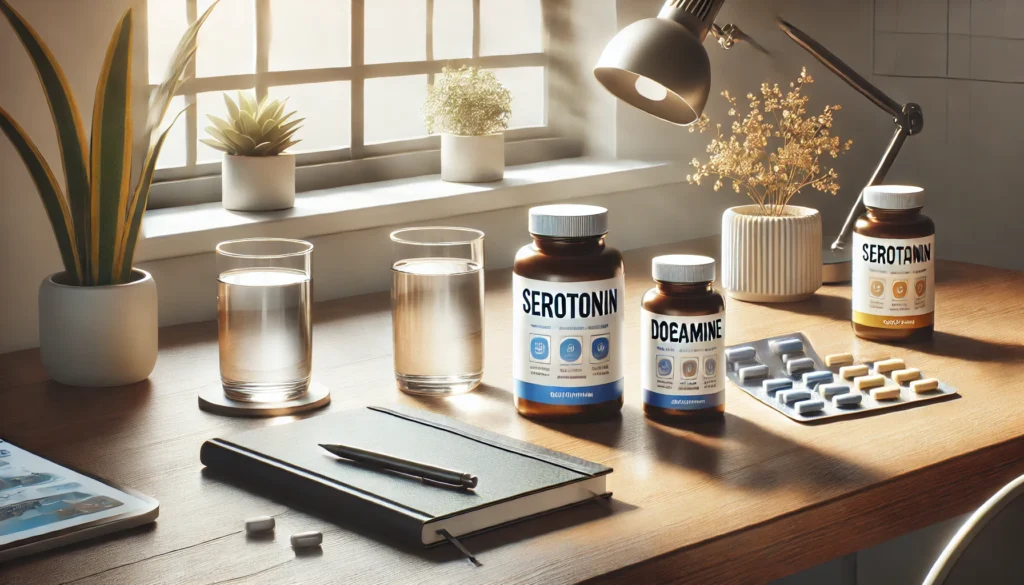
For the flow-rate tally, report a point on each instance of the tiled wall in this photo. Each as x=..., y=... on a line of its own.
x=977, y=40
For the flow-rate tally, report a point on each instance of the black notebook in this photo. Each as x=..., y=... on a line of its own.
x=517, y=480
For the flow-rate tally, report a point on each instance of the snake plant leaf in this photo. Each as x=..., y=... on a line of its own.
x=182, y=56
x=57, y=209
x=135, y=212
x=70, y=131
x=111, y=154
x=232, y=108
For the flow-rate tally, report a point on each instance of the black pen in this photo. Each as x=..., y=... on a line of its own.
x=414, y=468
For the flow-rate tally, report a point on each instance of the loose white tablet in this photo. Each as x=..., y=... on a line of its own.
x=307, y=539
x=259, y=524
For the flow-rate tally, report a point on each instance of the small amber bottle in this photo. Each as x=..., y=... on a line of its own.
x=893, y=285
x=568, y=295
x=682, y=344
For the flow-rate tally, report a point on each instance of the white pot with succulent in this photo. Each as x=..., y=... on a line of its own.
x=471, y=110
x=97, y=318
x=771, y=251
x=257, y=175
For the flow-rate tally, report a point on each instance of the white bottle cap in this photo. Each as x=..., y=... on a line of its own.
x=683, y=268
x=894, y=197
x=568, y=221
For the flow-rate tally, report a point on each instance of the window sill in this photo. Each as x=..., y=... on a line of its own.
x=196, y=229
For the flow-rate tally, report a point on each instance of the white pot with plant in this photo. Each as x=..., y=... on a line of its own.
x=97, y=318
x=471, y=110
x=771, y=250
x=257, y=175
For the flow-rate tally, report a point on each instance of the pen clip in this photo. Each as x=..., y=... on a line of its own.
x=443, y=484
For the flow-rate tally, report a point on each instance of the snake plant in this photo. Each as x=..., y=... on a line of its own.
x=254, y=129
x=97, y=222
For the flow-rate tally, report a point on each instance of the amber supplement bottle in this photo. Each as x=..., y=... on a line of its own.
x=568, y=297
x=682, y=341
x=893, y=266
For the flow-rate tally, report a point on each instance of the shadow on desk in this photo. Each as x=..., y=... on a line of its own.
x=961, y=347
x=733, y=451
x=819, y=305
x=480, y=543
x=98, y=413
x=730, y=450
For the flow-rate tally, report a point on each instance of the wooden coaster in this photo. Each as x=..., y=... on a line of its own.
x=213, y=400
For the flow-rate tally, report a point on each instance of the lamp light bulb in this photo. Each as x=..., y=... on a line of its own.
x=650, y=89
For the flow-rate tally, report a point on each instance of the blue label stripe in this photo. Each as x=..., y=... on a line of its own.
x=579, y=395
x=688, y=402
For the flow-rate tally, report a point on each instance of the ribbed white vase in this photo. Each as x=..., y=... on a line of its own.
x=769, y=259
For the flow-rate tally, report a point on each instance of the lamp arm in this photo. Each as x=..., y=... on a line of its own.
x=876, y=178
x=842, y=70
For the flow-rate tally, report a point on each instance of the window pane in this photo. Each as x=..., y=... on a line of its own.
x=510, y=27
x=326, y=108
x=395, y=31
x=453, y=29
x=392, y=106
x=309, y=34
x=173, y=154
x=227, y=41
x=527, y=87
x=211, y=103
x=166, y=21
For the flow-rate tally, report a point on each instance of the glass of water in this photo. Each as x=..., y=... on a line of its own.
x=437, y=309
x=263, y=313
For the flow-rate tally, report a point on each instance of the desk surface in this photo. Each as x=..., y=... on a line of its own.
x=749, y=499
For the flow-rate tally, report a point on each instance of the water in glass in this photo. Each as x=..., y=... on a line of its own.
x=437, y=307
x=265, y=333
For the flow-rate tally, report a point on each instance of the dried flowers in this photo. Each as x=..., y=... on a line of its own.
x=752, y=158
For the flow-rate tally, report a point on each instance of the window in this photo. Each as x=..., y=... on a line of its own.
x=356, y=70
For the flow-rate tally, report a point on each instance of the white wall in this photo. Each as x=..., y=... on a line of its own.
x=964, y=160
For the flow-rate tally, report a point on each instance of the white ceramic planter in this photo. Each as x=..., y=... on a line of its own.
x=472, y=159
x=771, y=259
x=258, y=183
x=98, y=335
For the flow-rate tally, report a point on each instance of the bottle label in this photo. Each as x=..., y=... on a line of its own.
x=567, y=340
x=682, y=360
x=893, y=282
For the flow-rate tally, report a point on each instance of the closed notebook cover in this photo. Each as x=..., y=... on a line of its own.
x=506, y=468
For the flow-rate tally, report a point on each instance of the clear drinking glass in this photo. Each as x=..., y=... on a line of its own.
x=437, y=309
x=263, y=314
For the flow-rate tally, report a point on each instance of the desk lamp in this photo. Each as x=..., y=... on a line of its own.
x=659, y=65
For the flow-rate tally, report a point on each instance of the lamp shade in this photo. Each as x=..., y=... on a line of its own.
x=660, y=67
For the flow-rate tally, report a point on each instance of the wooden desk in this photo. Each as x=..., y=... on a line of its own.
x=747, y=500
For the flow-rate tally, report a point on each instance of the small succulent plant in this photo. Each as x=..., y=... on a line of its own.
x=253, y=129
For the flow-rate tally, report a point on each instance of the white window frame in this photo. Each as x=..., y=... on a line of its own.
x=358, y=163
